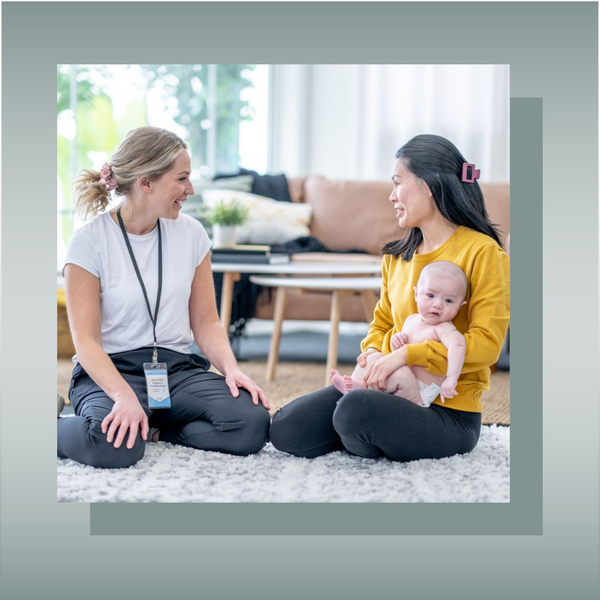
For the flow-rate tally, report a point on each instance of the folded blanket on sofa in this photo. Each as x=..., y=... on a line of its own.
x=271, y=186
x=308, y=244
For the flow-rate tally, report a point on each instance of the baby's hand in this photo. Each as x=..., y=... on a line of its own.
x=449, y=388
x=398, y=340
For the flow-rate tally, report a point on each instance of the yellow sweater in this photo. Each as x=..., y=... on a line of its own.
x=483, y=320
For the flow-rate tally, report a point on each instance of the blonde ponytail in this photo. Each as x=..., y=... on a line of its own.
x=90, y=196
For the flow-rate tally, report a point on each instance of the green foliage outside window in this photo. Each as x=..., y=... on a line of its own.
x=192, y=87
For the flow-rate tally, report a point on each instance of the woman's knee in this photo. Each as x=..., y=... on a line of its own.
x=352, y=421
x=257, y=431
x=304, y=426
x=102, y=454
x=284, y=433
x=236, y=426
x=351, y=412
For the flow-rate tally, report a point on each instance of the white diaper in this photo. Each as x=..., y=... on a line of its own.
x=428, y=392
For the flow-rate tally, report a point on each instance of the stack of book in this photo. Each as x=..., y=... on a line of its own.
x=249, y=254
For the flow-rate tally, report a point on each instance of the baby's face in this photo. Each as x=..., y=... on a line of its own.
x=439, y=297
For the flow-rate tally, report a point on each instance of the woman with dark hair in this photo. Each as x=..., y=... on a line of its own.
x=438, y=201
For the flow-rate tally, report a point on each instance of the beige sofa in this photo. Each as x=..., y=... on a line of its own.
x=357, y=215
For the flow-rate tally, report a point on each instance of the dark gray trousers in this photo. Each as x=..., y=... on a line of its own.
x=370, y=423
x=203, y=412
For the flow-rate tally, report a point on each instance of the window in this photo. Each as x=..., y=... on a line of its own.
x=221, y=111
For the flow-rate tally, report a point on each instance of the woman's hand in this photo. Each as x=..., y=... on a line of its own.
x=127, y=414
x=377, y=374
x=361, y=359
x=235, y=379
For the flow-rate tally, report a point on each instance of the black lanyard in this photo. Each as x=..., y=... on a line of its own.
x=137, y=272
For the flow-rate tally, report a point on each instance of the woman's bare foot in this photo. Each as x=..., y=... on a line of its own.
x=338, y=381
x=60, y=404
x=153, y=434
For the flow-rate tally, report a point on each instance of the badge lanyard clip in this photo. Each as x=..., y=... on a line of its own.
x=139, y=276
x=156, y=373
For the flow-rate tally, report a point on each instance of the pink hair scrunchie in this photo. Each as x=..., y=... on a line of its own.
x=106, y=177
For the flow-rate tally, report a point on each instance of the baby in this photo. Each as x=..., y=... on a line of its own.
x=440, y=294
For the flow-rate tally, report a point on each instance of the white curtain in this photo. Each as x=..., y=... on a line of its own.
x=347, y=121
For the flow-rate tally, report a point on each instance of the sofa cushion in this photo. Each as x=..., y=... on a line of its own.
x=270, y=186
x=337, y=204
x=243, y=183
x=497, y=204
x=269, y=221
x=296, y=187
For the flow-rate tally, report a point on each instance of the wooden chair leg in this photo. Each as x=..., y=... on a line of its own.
x=280, y=301
x=229, y=280
x=337, y=299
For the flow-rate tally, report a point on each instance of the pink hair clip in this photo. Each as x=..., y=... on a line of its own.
x=106, y=177
x=474, y=173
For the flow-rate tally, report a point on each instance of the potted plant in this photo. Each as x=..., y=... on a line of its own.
x=225, y=217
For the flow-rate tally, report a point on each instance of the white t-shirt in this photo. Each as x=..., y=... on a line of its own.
x=99, y=247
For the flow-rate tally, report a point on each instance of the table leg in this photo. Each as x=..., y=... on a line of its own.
x=337, y=299
x=280, y=300
x=227, y=298
x=369, y=303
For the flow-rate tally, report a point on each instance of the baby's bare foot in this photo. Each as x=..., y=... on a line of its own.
x=338, y=381
x=351, y=384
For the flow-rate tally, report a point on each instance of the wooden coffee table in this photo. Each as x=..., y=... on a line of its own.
x=231, y=274
x=340, y=288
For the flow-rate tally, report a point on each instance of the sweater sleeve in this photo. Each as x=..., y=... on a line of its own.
x=382, y=317
x=488, y=315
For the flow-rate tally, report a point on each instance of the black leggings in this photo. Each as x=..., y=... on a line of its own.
x=203, y=412
x=370, y=423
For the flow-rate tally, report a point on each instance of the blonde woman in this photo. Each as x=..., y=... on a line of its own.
x=138, y=284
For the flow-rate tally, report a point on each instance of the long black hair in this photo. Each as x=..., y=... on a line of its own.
x=439, y=164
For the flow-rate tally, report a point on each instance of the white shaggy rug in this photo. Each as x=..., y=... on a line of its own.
x=170, y=473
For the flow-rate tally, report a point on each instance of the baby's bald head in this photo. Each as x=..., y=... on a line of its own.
x=444, y=273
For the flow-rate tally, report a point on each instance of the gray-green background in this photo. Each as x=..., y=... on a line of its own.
x=47, y=548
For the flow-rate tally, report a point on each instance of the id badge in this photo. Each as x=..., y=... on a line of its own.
x=157, y=385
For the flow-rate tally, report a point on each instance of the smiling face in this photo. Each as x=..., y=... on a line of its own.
x=166, y=194
x=411, y=198
x=440, y=294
